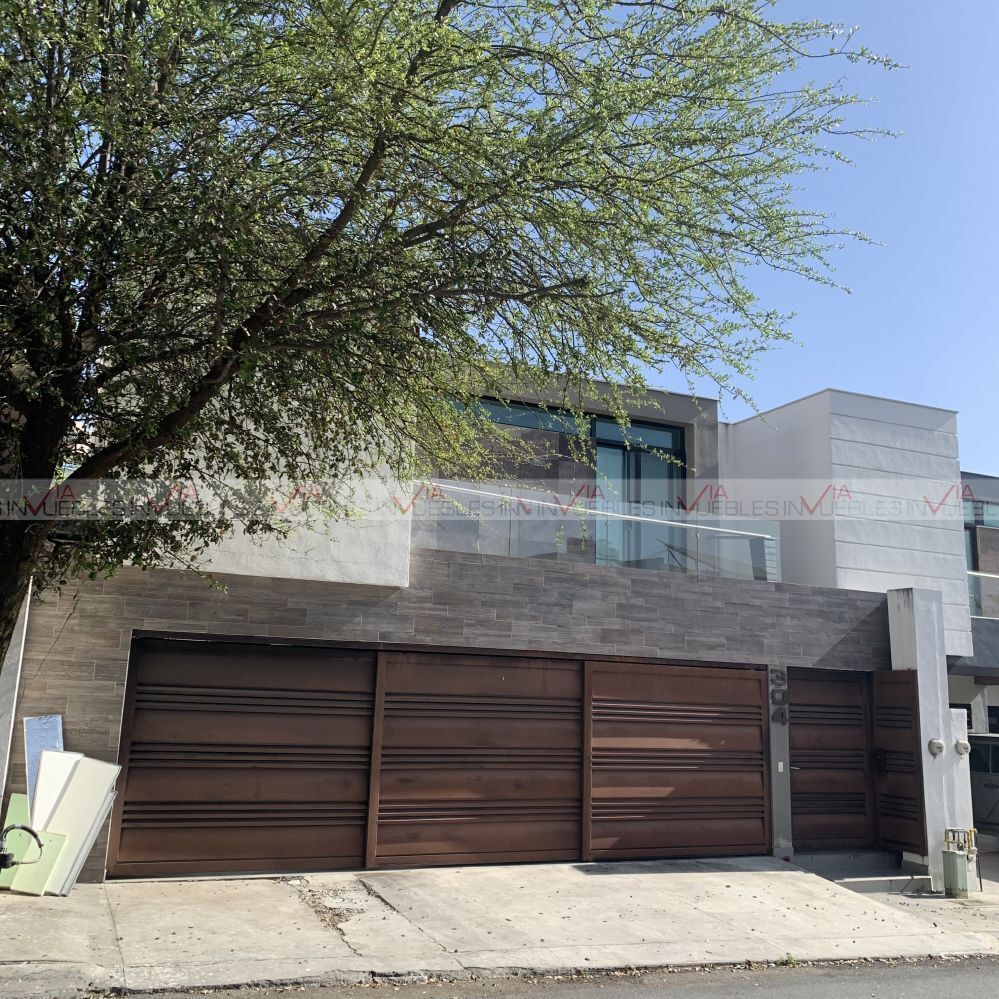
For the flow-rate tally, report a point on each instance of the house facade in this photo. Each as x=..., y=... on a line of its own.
x=706, y=638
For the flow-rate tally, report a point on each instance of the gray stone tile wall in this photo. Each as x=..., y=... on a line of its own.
x=78, y=641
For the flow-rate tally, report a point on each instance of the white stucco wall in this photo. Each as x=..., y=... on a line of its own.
x=371, y=548
x=896, y=451
x=916, y=623
x=787, y=444
x=897, y=461
x=964, y=690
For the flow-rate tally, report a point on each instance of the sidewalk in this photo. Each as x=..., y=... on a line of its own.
x=458, y=922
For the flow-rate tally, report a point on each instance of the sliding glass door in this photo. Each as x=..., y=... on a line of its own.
x=636, y=487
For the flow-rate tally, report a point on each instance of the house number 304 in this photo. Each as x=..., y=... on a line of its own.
x=778, y=696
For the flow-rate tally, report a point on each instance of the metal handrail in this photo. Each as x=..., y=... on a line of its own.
x=589, y=511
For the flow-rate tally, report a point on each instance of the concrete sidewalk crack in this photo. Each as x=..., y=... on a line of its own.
x=117, y=938
x=374, y=893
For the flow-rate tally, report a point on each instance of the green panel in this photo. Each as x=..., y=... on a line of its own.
x=31, y=879
x=18, y=843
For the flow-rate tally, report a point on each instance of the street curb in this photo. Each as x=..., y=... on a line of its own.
x=349, y=979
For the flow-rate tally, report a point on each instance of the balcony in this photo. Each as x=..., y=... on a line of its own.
x=499, y=519
x=983, y=591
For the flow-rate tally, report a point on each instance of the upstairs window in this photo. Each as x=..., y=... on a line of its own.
x=522, y=414
x=653, y=436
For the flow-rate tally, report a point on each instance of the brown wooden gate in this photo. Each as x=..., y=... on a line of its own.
x=480, y=760
x=243, y=758
x=898, y=775
x=856, y=752
x=832, y=787
x=677, y=761
x=248, y=757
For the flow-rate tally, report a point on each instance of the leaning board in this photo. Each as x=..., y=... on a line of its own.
x=20, y=844
x=31, y=879
x=54, y=770
x=52, y=888
x=79, y=807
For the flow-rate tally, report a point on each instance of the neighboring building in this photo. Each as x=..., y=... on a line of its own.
x=709, y=645
x=974, y=676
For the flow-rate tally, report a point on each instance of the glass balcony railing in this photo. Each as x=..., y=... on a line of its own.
x=536, y=523
x=983, y=590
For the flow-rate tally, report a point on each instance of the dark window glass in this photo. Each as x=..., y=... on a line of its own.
x=969, y=512
x=638, y=482
x=979, y=758
x=520, y=414
x=970, y=548
x=648, y=435
x=995, y=759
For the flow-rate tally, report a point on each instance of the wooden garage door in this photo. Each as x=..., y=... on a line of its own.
x=246, y=757
x=480, y=760
x=678, y=761
x=243, y=758
x=832, y=794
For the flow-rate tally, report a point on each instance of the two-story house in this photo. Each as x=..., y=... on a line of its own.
x=707, y=638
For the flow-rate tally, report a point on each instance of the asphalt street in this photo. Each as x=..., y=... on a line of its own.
x=951, y=979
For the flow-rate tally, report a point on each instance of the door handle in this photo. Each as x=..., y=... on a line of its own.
x=880, y=761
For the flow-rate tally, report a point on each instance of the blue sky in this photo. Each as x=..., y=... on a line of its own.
x=920, y=324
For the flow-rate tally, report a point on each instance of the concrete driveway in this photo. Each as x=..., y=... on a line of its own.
x=451, y=922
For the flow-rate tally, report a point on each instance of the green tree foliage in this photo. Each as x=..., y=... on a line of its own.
x=285, y=235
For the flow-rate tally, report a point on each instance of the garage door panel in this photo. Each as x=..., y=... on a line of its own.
x=655, y=735
x=819, y=781
x=840, y=690
x=258, y=784
x=481, y=675
x=476, y=835
x=481, y=756
x=897, y=783
x=613, y=783
x=257, y=729
x=503, y=785
x=244, y=760
x=664, y=837
x=482, y=733
x=679, y=761
x=827, y=738
x=226, y=664
x=702, y=688
x=266, y=847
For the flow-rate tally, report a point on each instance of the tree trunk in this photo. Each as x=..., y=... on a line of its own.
x=21, y=544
